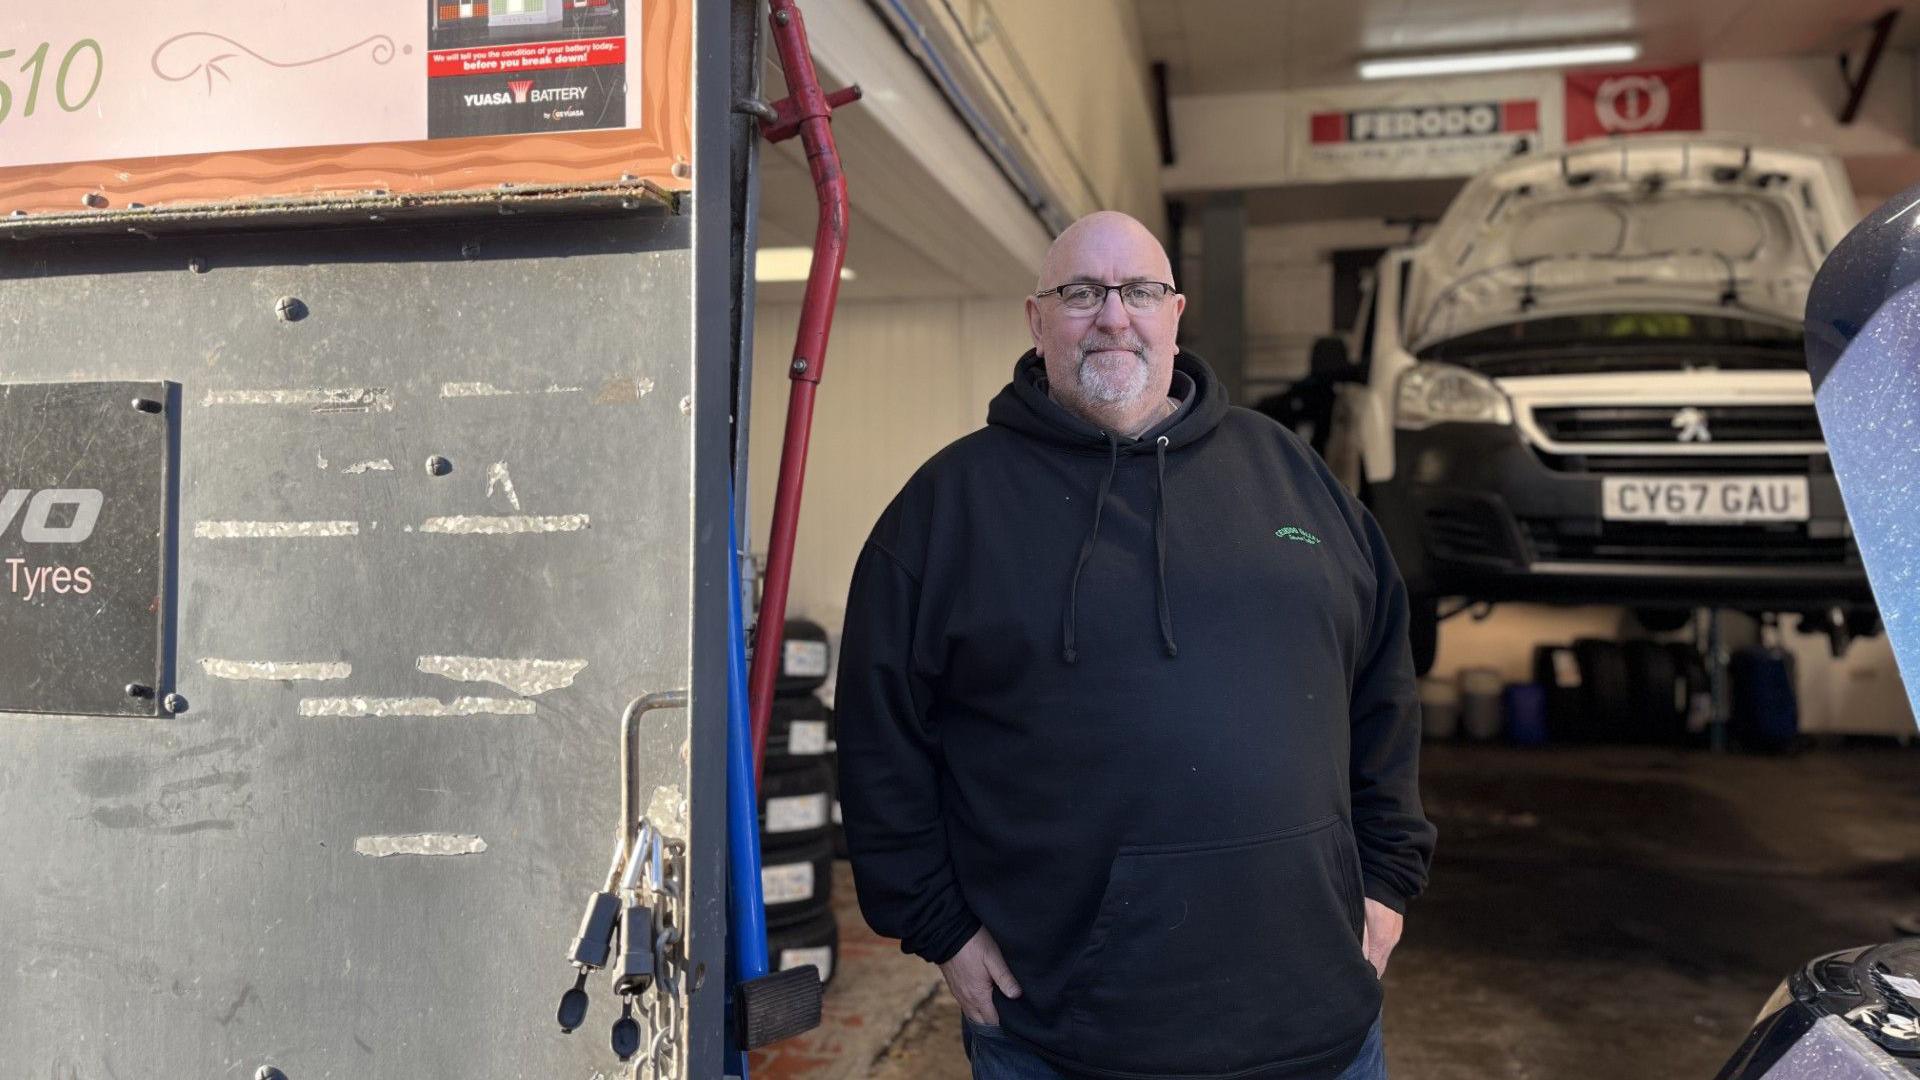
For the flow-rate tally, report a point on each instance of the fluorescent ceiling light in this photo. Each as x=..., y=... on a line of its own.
x=787, y=264
x=1618, y=52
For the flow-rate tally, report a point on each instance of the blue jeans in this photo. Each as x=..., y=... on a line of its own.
x=997, y=1056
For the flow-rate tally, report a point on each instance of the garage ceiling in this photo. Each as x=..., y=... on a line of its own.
x=908, y=245
x=884, y=266
x=1225, y=46
x=933, y=217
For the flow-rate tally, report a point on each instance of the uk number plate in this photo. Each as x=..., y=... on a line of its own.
x=1699, y=500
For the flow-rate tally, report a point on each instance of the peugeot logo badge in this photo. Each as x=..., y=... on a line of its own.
x=1691, y=423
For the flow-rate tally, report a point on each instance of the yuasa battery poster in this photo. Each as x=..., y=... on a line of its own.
x=120, y=79
x=520, y=67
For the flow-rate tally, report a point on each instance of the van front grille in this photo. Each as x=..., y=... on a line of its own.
x=1598, y=425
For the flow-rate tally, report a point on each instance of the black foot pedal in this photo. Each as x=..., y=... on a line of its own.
x=778, y=1006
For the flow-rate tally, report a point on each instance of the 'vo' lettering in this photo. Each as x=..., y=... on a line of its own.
x=36, y=525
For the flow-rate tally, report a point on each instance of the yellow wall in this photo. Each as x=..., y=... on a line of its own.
x=1066, y=82
x=1504, y=641
x=903, y=379
x=1088, y=65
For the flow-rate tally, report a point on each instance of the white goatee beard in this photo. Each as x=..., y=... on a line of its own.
x=1110, y=387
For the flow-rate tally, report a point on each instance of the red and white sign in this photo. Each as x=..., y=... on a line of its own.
x=1405, y=131
x=533, y=56
x=1632, y=102
x=1467, y=120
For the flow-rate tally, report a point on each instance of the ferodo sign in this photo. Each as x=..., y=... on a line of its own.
x=1430, y=122
x=1368, y=133
x=84, y=536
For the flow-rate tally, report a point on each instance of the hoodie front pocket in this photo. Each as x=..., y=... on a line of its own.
x=1220, y=956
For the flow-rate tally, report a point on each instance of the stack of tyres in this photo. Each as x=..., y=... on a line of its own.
x=1557, y=668
x=796, y=818
x=1659, y=692
x=1634, y=691
x=1605, y=709
x=1692, y=667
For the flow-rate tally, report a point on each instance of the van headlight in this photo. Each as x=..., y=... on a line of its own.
x=1431, y=394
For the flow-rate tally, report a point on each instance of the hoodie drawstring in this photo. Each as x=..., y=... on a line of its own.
x=1068, y=651
x=1071, y=654
x=1160, y=546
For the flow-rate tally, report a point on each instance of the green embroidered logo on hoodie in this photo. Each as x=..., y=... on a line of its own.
x=1294, y=532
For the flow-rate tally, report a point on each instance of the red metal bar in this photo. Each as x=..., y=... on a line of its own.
x=806, y=112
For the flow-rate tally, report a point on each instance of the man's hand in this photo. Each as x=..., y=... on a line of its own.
x=973, y=973
x=1382, y=933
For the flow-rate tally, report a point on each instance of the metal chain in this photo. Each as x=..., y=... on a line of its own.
x=662, y=1010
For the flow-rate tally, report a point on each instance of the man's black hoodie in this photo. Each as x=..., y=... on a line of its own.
x=1145, y=709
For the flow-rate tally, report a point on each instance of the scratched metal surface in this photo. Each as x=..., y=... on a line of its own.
x=375, y=660
x=1833, y=1050
x=84, y=505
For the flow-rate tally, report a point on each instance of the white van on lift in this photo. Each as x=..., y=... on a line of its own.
x=1586, y=385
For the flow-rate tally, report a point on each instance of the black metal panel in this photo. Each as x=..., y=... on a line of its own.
x=84, y=533
x=362, y=849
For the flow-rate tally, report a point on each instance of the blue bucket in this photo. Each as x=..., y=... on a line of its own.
x=1526, y=714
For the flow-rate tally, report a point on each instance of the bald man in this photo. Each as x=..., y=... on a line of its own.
x=1128, y=731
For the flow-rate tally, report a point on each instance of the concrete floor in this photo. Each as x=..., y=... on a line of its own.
x=1599, y=912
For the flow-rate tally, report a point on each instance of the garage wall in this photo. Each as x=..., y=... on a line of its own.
x=1065, y=87
x=1798, y=101
x=1504, y=640
x=1237, y=140
x=906, y=378
x=1241, y=140
x=1289, y=291
x=1103, y=110
x=903, y=380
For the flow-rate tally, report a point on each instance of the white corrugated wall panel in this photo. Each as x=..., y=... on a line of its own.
x=903, y=379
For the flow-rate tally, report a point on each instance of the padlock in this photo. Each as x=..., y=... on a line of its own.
x=590, y=948
x=633, y=968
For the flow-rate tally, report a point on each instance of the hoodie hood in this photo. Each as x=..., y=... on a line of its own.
x=1024, y=407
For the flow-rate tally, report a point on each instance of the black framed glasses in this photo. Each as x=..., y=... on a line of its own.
x=1087, y=297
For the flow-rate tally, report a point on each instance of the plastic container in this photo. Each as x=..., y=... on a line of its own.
x=1439, y=709
x=1526, y=714
x=1480, y=713
x=1766, y=712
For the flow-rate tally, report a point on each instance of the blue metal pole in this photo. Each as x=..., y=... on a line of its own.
x=746, y=916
